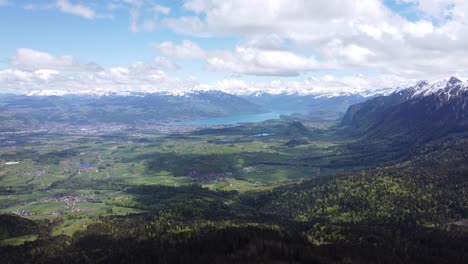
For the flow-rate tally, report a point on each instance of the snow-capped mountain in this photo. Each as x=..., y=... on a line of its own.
x=105, y=92
x=446, y=88
x=426, y=109
x=312, y=88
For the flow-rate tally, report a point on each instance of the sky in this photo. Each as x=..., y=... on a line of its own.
x=237, y=46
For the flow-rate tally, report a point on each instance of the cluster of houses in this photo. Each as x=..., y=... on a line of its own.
x=210, y=177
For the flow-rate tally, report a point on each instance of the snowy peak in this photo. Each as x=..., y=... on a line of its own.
x=422, y=112
x=448, y=87
x=453, y=81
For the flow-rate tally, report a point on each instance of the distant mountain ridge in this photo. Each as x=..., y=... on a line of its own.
x=161, y=108
x=143, y=109
x=274, y=90
x=417, y=113
x=305, y=103
x=182, y=92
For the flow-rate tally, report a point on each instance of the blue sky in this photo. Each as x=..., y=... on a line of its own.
x=106, y=40
x=334, y=46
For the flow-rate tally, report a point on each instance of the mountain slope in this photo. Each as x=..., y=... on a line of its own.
x=418, y=113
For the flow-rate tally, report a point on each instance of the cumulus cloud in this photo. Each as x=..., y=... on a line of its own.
x=285, y=38
x=32, y=60
x=166, y=64
x=38, y=71
x=33, y=71
x=327, y=85
x=342, y=34
x=255, y=61
x=192, y=25
x=280, y=16
x=186, y=50
x=138, y=77
x=250, y=59
x=141, y=77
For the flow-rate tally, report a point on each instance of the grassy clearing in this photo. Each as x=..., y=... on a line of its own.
x=69, y=227
x=239, y=185
x=166, y=180
x=264, y=174
x=17, y=241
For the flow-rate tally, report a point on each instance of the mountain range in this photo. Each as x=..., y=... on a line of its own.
x=141, y=108
x=426, y=109
x=414, y=114
x=147, y=109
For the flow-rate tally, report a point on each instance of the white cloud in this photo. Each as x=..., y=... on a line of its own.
x=355, y=53
x=419, y=29
x=32, y=60
x=45, y=74
x=76, y=9
x=186, y=25
x=161, y=9
x=339, y=33
x=186, y=50
x=327, y=85
x=138, y=77
x=252, y=58
x=141, y=77
x=438, y=9
x=279, y=16
x=140, y=18
x=39, y=71
x=66, y=6
x=166, y=64
x=347, y=53
x=277, y=38
x=255, y=61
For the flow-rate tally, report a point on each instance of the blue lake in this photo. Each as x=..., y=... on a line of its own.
x=234, y=119
x=82, y=165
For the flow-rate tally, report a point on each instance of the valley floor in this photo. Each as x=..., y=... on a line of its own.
x=296, y=190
